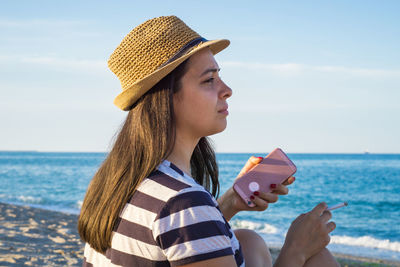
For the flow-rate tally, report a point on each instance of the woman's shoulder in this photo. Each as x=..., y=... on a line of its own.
x=164, y=191
x=168, y=181
x=176, y=218
x=168, y=188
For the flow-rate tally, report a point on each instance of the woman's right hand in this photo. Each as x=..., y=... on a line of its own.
x=307, y=235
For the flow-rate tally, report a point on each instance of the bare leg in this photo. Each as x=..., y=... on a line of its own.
x=323, y=258
x=255, y=251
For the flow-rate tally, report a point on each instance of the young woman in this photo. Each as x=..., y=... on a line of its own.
x=153, y=200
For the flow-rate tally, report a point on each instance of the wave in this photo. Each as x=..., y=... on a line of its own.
x=366, y=241
x=363, y=241
x=79, y=204
x=258, y=227
x=30, y=199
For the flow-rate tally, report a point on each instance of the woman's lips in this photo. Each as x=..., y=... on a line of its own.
x=224, y=111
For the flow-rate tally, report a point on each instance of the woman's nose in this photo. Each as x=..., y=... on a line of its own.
x=226, y=91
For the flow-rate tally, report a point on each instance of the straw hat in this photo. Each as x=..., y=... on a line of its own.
x=150, y=52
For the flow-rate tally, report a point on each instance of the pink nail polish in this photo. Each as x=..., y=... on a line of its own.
x=273, y=185
x=260, y=158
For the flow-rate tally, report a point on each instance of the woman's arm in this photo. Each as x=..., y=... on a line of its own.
x=226, y=261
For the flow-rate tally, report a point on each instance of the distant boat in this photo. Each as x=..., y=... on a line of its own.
x=366, y=152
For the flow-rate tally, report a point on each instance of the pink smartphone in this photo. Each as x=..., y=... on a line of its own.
x=275, y=168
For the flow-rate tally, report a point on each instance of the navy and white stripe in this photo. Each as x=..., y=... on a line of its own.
x=170, y=220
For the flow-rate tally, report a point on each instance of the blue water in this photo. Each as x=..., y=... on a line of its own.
x=370, y=183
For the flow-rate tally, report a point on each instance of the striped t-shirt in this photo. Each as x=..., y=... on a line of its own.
x=171, y=220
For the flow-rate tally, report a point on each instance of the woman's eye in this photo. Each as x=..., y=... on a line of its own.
x=209, y=80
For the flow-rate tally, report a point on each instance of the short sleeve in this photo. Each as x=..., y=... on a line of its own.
x=189, y=228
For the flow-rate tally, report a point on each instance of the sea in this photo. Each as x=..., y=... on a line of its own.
x=369, y=226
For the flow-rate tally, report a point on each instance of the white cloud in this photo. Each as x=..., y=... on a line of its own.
x=297, y=68
x=34, y=23
x=64, y=63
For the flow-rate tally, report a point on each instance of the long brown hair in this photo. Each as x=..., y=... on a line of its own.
x=145, y=139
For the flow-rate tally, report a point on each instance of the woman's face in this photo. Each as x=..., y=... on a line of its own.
x=200, y=105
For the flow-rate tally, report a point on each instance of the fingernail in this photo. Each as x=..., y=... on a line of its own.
x=251, y=197
x=260, y=158
x=273, y=185
x=256, y=193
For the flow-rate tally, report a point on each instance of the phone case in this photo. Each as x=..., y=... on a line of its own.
x=275, y=168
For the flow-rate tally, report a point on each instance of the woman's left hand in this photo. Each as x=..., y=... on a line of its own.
x=231, y=203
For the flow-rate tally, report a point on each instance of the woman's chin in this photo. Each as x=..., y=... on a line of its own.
x=218, y=129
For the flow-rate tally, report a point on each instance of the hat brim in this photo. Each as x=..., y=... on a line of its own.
x=128, y=97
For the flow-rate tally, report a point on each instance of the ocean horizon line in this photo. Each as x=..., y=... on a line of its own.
x=217, y=152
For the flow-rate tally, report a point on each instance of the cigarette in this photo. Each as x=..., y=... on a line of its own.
x=343, y=204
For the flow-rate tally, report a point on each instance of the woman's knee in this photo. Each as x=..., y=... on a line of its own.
x=323, y=258
x=250, y=238
x=254, y=248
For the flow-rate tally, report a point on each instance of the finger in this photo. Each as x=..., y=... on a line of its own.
x=289, y=180
x=269, y=197
x=330, y=226
x=326, y=216
x=317, y=210
x=260, y=203
x=280, y=189
x=251, y=162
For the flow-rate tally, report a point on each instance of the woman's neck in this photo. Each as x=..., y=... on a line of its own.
x=182, y=153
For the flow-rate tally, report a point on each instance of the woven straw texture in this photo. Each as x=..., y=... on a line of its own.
x=147, y=47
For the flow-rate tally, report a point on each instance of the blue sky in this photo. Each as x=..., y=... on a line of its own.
x=307, y=76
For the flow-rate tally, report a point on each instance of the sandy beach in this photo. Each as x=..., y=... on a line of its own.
x=37, y=237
